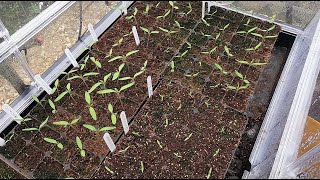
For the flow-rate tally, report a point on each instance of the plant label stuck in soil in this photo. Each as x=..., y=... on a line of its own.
x=71, y=58
x=149, y=83
x=11, y=112
x=124, y=122
x=44, y=85
x=109, y=142
x=135, y=34
x=92, y=32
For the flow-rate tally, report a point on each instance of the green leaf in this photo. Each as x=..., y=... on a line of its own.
x=167, y=13
x=106, y=77
x=93, y=113
x=82, y=153
x=107, y=128
x=256, y=34
x=115, y=58
x=126, y=86
x=115, y=75
x=113, y=119
x=106, y=91
x=79, y=143
x=124, y=78
x=44, y=123
x=238, y=74
x=61, y=123
x=36, y=99
x=145, y=29
x=227, y=51
x=154, y=32
x=273, y=18
x=109, y=170
x=110, y=52
x=216, y=152
x=159, y=143
x=56, y=83
x=135, y=11
x=267, y=37
x=75, y=120
x=172, y=66
x=30, y=129
x=188, y=137
x=218, y=66
x=110, y=108
x=131, y=52
x=258, y=64
x=171, y=3
x=164, y=30
x=51, y=104
x=231, y=87
x=271, y=28
x=73, y=77
x=90, y=74
x=68, y=87
x=87, y=97
x=209, y=173
x=94, y=87
x=90, y=127
x=246, y=81
x=141, y=166
x=147, y=9
x=252, y=29
x=121, y=67
x=98, y=64
x=60, y=146
x=205, y=22
x=49, y=140
x=60, y=96
x=243, y=62
x=258, y=45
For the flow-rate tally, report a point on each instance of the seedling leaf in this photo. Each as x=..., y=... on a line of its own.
x=93, y=113
x=126, y=86
x=113, y=119
x=79, y=143
x=115, y=58
x=60, y=96
x=238, y=74
x=30, y=129
x=49, y=140
x=94, y=87
x=43, y=123
x=106, y=91
x=90, y=74
x=90, y=127
x=107, y=128
x=87, y=97
x=61, y=123
x=131, y=52
x=110, y=108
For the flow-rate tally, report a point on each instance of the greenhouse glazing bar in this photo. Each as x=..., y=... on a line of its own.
x=24, y=100
x=33, y=27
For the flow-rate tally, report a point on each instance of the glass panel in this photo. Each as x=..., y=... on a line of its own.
x=298, y=13
x=49, y=44
x=16, y=14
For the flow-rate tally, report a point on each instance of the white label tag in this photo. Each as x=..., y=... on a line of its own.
x=109, y=142
x=92, y=32
x=71, y=58
x=135, y=34
x=12, y=113
x=2, y=142
x=124, y=122
x=150, y=89
x=42, y=84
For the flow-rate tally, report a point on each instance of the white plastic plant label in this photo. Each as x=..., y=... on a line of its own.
x=124, y=122
x=92, y=32
x=150, y=89
x=11, y=112
x=42, y=84
x=135, y=34
x=109, y=142
x=2, y=142
x=71, y=58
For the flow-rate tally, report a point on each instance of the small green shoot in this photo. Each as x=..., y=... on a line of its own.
x=109, y=170
x=113, y=115
x=221, y=69
x=227, y=50
x=209, y=173
x=90, y=105
x=40, y=126
x=158, y=142
x=123, y=57
x=54, y=110
x=53, y=141
x=187, y=138
x=80, y=146
x=141, y=167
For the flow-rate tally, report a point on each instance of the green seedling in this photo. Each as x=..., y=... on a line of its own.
x=227, y=50
x=53, y=141
x=146, y=11
x=115, y=90
x=37, y=100
x=141, y=167
x=243, y=78
x=113, y=115
x=182, y=54
x=238, y=88
x=142, y=70
x=95, y=86
x=133, y=16
x=251, y=63
x=209, y=36
x=192, y=75
x=248, y=31
x=104, y=81
x=269, y=29
x=217, y=36
x=91, y=109
x=117, y=73
x=189, y=136
x=254, y=48
x=23, y=120
x=70, y=72
x=124, y=150
x=273, y=18
x=149, y=32
x=80, y=146
x=205, y=22
x=40, y=127
x=216, y=152
x=221, y=69
x=83, y=77
x=190, y=8
x=157, y=5
x=66, y=123
x=123, y=57
x=120, y=41
x=247, y=23
x=173, y=7
x=164, y=16
x=96, y=62
x=176, y=23
x=172, y=66
x=167, y=32
x=263, y=37
x=167, y=122
x=94, y=129
x=67, y=91
x=211, y=51
x=177, y=155
x=159, y=143
x=224, y=28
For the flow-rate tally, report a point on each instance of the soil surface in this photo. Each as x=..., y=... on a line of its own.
x=203, y=78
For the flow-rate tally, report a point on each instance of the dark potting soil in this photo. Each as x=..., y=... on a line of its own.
x=189, y=128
